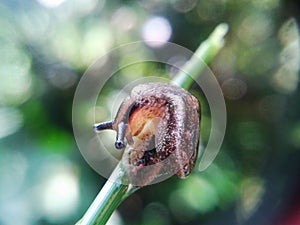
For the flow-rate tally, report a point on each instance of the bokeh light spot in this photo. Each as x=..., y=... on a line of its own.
x=51, y=3
x=124, y=19
x=10, y=121
x=153, y=5
x=15, y=79
x=266, y=4
x=156, y=31
x=286, y=78
x=288, y=32
x=186, y=201
x=36, y=26
x=65, y=45
x=61, y=77
x=14, y=168
x=60, y=193
x=234, y=88
x=184, y=6
x=252, y=190
x=255, y=28
x=96, y=41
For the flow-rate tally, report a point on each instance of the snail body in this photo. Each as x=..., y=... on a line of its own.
x=161, y=124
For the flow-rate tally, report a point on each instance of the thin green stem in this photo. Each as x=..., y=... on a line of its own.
x=203, y=55
x=114, y=191
x=108, y=199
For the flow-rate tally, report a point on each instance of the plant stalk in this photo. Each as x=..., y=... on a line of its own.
x=111, y=195
x=114, y=192
x=203, y=55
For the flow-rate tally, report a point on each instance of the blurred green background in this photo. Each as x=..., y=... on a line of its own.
x=45, y=47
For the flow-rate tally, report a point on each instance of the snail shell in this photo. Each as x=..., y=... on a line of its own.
x=161, y=123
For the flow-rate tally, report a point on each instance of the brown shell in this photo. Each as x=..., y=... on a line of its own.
x=162, y=130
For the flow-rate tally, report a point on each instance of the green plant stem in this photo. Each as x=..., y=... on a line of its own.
x=108, y=199
x=203, y=55
x=114, y=192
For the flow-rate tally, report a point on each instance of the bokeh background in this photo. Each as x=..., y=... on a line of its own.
x=47, y=45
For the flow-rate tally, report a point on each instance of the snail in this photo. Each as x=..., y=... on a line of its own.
x=158, y=125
